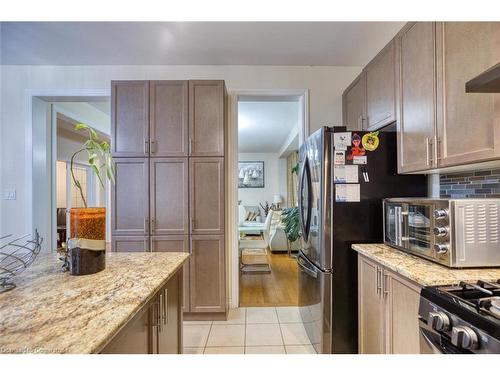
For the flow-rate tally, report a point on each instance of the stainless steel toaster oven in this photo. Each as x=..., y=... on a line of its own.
x=453, y=232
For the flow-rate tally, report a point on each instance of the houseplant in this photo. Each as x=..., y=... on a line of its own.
x=87, y=242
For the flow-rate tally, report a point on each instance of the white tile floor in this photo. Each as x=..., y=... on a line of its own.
x=251, y=330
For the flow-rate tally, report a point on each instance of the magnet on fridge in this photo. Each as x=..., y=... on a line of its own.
x=366, y=178
x=355, y=149
x=370, y=141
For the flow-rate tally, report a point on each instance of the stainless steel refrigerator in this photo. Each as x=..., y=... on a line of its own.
x=333, y=217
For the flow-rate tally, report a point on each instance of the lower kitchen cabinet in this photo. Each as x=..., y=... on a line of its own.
x=207, y=274
x=402, y=298
x=387, y=310
x=175, y=244
x=130, y=244
x=370, y=308
x=157, y=327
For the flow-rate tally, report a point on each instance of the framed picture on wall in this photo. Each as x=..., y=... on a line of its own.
x=251, y=174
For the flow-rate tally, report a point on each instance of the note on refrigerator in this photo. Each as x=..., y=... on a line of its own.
x=342, y=140
x=339, y=157
x=347, y=193
x=345, y=174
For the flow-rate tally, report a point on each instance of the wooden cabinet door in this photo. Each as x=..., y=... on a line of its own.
x=134, y=338
x=354, y=104
x=206, y=195
x=468, y=123
x=130, y=118
x=207, y=274
x=206, y=118
x=380, y=89
x=170, y=326
x=130, y=244
x=402, y=299
x=169, y=118
x=175, y=244
x=130, y=198
x=416, y=97
x=169, y=196
x=370, y=307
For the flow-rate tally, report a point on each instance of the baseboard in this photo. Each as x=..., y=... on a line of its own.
x=204, y=316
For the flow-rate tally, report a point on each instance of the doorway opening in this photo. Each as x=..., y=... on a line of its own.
x=54, y=140
x=270, y=129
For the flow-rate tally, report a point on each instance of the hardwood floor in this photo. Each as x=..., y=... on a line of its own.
x=278, y=288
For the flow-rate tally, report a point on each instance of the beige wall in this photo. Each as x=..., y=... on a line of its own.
x=325, y=86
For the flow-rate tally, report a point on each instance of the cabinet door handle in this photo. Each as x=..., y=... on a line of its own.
x=428, y=151
x=190, y=146
x=146, y=146
x=193, y=222
x=438, y=150
x=384, y=281
x=165, y=306
x=146, y=247
x=152, y=146
x=160, y=308
x=379, y=281
x=153, y=225
x=146, y=225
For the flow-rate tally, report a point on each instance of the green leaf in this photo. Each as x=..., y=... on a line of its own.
x=81, y=126
x=93, y=134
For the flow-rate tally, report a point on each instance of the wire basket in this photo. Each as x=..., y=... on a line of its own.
x=15, y=256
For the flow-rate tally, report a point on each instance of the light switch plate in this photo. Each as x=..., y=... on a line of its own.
x=9, y=194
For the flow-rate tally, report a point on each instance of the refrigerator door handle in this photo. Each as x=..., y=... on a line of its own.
x=305, y=179
x=304, y=267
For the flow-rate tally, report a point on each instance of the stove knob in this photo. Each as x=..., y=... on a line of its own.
x=441, y=248
x=441, y=231
x=440, y=214
x=464, y=337
x=439, y=321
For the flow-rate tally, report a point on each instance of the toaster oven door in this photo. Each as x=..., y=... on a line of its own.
x=393, y=223
x=419, y=229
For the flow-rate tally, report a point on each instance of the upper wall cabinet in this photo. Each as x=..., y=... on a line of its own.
x=468, y=123
x=354, y=104
x=130, y=118
x=416, y=109
x=169, y=118
x=380, y=89
x=206, y=118
x=439, y=124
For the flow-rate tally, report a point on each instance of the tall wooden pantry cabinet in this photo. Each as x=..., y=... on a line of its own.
x=168, y=141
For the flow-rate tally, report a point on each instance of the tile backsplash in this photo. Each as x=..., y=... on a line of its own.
x=478, y=184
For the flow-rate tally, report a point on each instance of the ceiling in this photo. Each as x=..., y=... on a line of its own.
x=264, y=126
x=194, y=43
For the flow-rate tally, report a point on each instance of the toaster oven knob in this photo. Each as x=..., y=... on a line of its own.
x=464, y=337
x=441, y=248
x=440, y=214
x=439, y=321
x=441, y=231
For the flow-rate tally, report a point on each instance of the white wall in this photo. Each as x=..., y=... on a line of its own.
x=274, y=180
x=325, y=86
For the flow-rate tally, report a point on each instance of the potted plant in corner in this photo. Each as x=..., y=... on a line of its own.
x=87, y=243
x=290, y=219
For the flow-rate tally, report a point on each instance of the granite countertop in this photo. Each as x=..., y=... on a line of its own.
x=420, y=270
x=53, y=312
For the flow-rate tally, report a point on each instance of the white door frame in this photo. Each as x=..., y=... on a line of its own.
x=47, y=95
x=232, y=174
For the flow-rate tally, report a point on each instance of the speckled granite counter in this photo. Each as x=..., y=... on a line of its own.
x=54, y=312
x=422, y=271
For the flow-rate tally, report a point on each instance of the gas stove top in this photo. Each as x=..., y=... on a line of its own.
x=465, y=316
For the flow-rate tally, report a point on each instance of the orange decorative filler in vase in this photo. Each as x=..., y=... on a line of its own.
x=89, y=223
x=87, y=242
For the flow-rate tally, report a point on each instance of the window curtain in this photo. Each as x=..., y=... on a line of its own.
x=292, y=180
